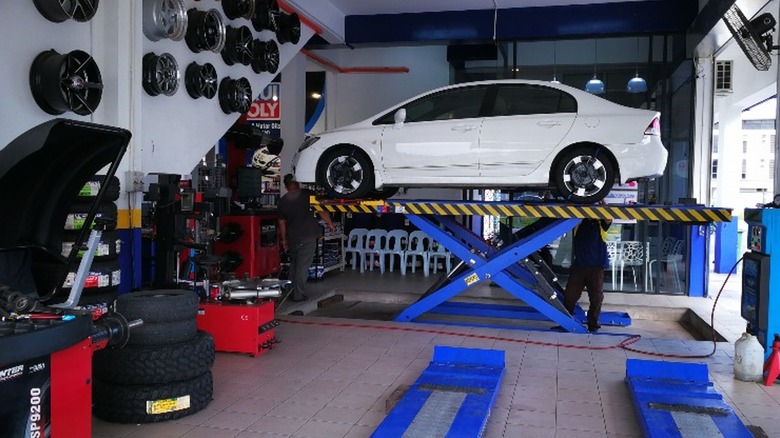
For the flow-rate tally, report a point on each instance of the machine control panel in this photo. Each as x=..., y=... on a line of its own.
x=755, y=290
x=756, y=237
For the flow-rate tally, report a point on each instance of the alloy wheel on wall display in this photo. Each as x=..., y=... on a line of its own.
x=288, y=28
x=61, y=10
x=235, y=95
x=161, y=74
x=266, y=56
x=266, y=12
x=164, y=19
x=238, y=45
x=239, y=9
x=205, y=31
x=201, y=80
x=69, y=82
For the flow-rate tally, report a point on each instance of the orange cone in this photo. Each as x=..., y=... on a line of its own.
x=772, y=364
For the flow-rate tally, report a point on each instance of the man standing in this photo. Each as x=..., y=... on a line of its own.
x=589, y=258
x=299, y=232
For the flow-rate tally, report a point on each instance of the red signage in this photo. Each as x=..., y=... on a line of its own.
x=267, y=106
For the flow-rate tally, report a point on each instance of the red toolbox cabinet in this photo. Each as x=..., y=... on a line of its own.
x=239, y=328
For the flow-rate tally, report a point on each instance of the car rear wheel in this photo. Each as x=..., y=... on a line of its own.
x=346, y=173
x=584, y=175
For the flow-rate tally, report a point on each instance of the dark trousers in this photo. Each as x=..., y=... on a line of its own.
x=579, y=278
x=301, y=256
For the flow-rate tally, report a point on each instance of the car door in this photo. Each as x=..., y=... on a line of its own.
x=439, y=137
x=525, y=125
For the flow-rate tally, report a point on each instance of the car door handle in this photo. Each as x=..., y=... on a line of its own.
x=549, y=123
x=464, y=128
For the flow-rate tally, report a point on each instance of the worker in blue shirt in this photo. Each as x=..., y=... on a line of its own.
x=589, y=258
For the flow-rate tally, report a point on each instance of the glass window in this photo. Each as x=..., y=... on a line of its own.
x=458, y=103
x=520, y=100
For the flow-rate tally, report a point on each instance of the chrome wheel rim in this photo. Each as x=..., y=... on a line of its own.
x=584, y=175
x=344, y=174
x=164, y=19
x=161, y=74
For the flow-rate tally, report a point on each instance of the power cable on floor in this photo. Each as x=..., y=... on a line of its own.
x=625, y=344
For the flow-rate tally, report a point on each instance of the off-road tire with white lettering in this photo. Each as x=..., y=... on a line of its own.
x=108, y=248
x=159, y=305
x=119, y=403
x=163, y=333
x=88, y=193
x=78, y=211
x=148, y=364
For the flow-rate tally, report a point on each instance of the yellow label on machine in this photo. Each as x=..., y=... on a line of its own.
x=471, y=279
x=167, y=405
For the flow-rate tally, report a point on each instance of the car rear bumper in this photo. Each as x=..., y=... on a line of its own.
x=644, y=160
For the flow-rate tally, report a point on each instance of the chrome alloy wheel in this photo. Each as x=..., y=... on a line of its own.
x=584, y=175
x=344, y=174
x=164, y=19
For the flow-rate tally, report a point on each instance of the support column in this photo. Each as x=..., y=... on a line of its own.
x=729, y=156
x=702, y=146
x=293, y=111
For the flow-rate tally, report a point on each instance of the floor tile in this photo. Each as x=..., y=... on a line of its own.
x=322, y=429
x=207, y=432
x=277, y=425
x=231, y=420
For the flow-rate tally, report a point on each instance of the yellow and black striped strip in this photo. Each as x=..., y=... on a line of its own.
x=666, y=213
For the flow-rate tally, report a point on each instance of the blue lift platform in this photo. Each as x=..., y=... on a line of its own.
x=677, y=400
x=517, y=268
x=452, y=397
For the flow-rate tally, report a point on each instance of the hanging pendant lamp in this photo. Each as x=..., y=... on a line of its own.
x=636, y=84
x=595, y=85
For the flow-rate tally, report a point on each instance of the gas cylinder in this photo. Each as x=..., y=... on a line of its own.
x=748, y=359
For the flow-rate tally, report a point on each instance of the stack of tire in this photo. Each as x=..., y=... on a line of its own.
x=164, y=371
x=104, y=276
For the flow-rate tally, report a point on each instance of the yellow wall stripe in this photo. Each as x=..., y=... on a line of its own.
x=128, y=219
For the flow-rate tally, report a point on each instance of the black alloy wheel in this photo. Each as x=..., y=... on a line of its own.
x=206, y=31
x=266, y=13
x=584, y=175
x=69, y=82
x=239, y=9
x=201, y=80
x=235, y=95
x=266, y=56
x=60, y=10
x=239, y=45
x=161, y=74
x=289, y=28
x=164, y=19
x=346, y=173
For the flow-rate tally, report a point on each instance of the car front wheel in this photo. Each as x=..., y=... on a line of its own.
x=346, y=173
x=584, y=176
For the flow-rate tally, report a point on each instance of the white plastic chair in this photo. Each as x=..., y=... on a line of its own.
x=356, y=245
x=438, y=251
x=376, y=243
x=419, y=242
x=632, y=254
x=612, y=255
x=396, y=245
x=671, y=254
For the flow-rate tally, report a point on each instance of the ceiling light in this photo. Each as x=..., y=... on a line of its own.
x=316, y=95
x=636, y=85
x=595, y=86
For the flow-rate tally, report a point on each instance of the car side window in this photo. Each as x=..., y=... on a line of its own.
x=459, y=103
x=523, y=100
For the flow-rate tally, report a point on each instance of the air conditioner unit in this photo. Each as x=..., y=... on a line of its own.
x=723, y=77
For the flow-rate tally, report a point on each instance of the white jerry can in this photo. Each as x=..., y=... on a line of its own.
x=748, y=359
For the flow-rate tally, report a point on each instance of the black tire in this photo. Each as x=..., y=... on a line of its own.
x=382, y=194
x=108, y=248
x=346, y=173
x=145, y=365
x=104, y=277
x=163, y=333
x=159, y=305
x=78, y=212
x=89, y=192
x=584, y=175
x=102, y=298
x=128, y=403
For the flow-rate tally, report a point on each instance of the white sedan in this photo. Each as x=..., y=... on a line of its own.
x=491, y=134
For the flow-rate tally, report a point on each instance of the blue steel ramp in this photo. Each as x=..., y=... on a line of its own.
x=674, y=399
x=451, y=398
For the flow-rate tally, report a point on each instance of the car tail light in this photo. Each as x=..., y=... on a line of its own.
x=654, y=128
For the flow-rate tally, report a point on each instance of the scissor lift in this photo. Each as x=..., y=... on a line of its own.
x=515, y=267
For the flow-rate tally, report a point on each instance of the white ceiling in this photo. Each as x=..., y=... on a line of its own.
x=374, y=7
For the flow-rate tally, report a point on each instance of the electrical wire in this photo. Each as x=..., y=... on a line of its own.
x=625, y=344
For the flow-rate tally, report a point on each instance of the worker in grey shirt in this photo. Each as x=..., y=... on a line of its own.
x=299, y=231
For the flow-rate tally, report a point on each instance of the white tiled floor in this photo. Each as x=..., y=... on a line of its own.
x=331, y=381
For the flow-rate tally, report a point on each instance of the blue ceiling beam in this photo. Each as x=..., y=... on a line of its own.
x=535, y=23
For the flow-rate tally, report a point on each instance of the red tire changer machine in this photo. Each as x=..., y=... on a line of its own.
x=46, y=342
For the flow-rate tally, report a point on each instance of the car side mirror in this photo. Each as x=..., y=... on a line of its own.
x=399, y=118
